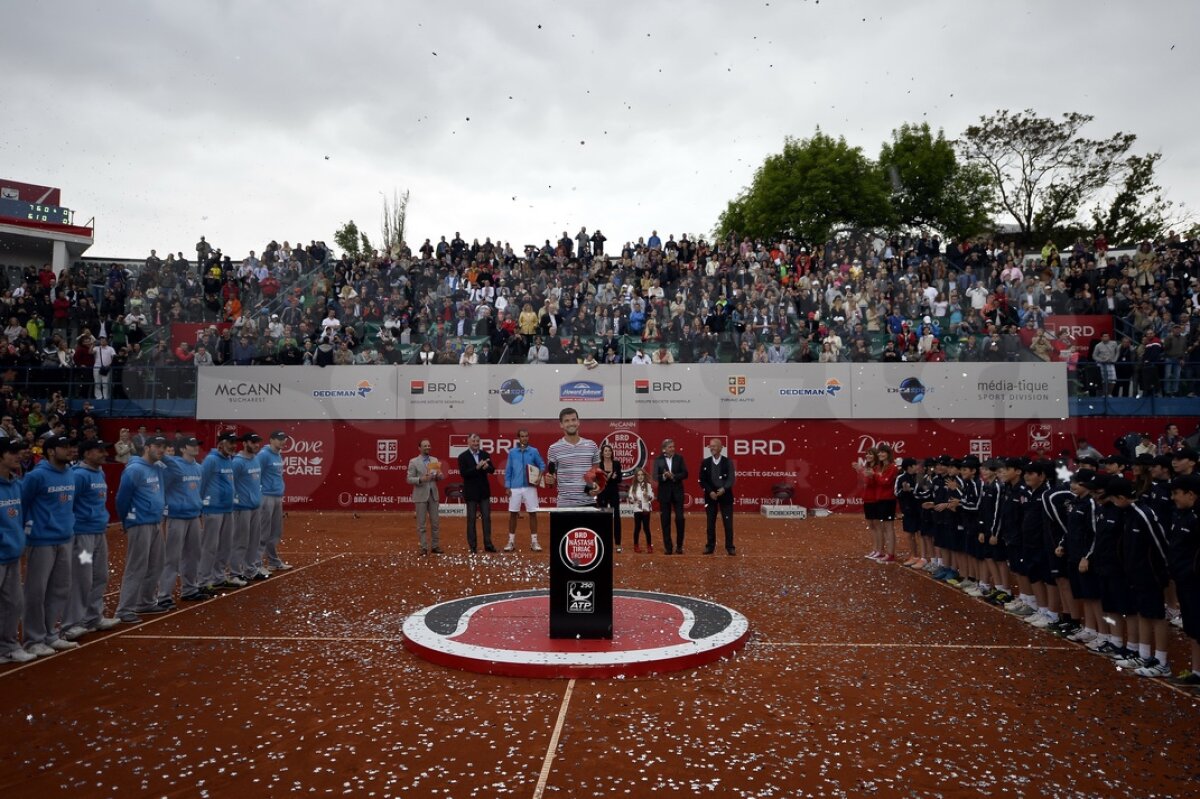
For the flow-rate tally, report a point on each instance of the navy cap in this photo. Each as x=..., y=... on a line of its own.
x=12, y=445
x=1163, y=460
x=157, y=440
x=227, y=436
x=993, y=464
x=1187, y=482
x=907, y=462
x=945, y=460
x=1119, y=487
x=54, y=442
x=1145, y=459
x=84, y=446
x=191, y=442
x=278, y=434
x=1185, y=454
x=252, y=437
x=1089, y=460
x=1015, y=463
x=970, y=462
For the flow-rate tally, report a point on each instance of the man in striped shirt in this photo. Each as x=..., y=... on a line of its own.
x=569, y=459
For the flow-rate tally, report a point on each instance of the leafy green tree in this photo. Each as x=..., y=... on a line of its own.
x=348, y=238
x=931, y=187
x=1044, y=171
x=1138, y=210
x=814, y=189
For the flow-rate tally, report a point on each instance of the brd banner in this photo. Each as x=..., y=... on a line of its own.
x=362, y=465
x=677, y=391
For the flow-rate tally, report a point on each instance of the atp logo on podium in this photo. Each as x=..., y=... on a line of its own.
x=581, y=596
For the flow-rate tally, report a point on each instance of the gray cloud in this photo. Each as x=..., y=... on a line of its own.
x=168, y=120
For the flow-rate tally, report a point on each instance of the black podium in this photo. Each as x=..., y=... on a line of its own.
x=581, y=573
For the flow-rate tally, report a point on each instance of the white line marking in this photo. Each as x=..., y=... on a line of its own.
x=819, y=644
x=549, y=761
x=123, y=630
x=261, y=638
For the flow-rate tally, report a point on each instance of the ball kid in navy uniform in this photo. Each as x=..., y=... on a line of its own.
x=1104, y=560
x=1144, y=561
x=1183, y=559
x=991, y=552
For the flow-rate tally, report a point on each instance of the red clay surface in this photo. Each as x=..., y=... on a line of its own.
x=860, y=680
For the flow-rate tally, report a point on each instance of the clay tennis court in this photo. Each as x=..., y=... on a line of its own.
x=859, y=680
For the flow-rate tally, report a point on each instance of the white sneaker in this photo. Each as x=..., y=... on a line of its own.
x=967, y=585
x=1038, y=621
x=60, y=645
x=107, y=623
x=508, y=547
x=973, y=591
x=282, y=567
x=535, y=547
x=1177, y=622
x=39, y=650
x=1157, y=670
x=236, y=581
x=1082, y=636
x=20, y=656
x=75, y=631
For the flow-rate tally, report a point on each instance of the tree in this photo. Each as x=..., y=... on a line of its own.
x=812, y=190
x=394, y=218
x=1138, y=211
x=349, y=239
x=931, y=188
x=1044, y=170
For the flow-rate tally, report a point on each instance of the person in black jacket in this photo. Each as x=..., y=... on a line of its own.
x=610, y=496
x=1183, y=560
x=476, y=468
x=716, y=478
x=670, y=472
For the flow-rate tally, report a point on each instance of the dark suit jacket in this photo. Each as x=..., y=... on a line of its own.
x=671, y=490
x=476, y=483
x=725, y=480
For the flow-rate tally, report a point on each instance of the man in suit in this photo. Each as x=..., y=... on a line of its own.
x=476, y=467
x=670, y=472
x=716, y=478
x=423, y=473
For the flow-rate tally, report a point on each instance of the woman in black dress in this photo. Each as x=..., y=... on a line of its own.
x=610, y=497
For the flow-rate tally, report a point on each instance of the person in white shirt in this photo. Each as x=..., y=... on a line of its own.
x=663, y=355
x=330, y=325
x=539, y=352
x=102, y=370
x=641, y=359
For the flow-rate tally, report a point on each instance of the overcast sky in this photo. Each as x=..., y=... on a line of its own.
x=246, y=121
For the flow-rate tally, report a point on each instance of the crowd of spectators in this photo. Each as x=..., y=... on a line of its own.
x=650, y=301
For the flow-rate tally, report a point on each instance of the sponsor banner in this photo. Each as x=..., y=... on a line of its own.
x=731, y=391
x=680, y=391
x=960, y=391
x=1083, y=329
x=296, y=392
x=362, y=466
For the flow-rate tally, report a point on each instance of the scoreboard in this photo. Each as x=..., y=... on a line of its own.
x=35, y=212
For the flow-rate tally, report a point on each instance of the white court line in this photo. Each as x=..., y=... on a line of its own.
x=839, y=644
x=263, y=638
x=123, y=630
x=558, y=726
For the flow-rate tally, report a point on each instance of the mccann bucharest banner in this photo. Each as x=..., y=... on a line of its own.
x=679, y=391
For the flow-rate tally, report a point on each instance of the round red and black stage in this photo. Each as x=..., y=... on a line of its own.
x=508, y=634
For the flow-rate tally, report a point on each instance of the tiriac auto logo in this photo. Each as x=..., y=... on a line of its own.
x=581, y=550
